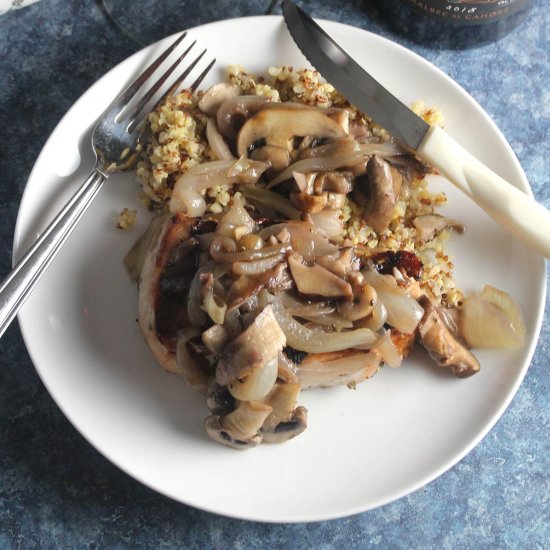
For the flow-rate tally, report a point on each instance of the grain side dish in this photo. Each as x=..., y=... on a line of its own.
x=295, y=244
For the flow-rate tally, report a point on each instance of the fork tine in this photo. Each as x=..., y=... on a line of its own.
x=182, y=77
x=129, y=92
x=201, y=77
x=140, y=125
x=155, y=87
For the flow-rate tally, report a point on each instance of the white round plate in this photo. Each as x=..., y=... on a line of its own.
x=363, y=448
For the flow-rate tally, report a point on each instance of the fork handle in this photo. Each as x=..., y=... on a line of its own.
x=22, y=279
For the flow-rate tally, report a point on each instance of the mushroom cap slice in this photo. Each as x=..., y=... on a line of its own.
x=279, y=125
x=164, y=240
x=211, y=100
x=442, y=346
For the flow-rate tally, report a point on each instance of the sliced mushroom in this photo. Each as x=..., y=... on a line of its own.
x=278, y=158
x=241, y=428
x=295, y=425
x=246, y=286
x=342, y=264
x=317, y=280
x=249, y=364
x=277, y=126
x=362, y=303
x=218, y=399
x=337, y=182
x=233, y=112
x=282, y=400
x=216, y=95
x=310, y=204
x=429, y=226
x=442, y=346
x=381, y=194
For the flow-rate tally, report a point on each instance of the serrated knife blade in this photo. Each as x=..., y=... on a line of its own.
x=513, y=209
x=351, y=80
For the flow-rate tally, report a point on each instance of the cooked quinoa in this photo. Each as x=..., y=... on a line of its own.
x=126, y=219
x=179, y=142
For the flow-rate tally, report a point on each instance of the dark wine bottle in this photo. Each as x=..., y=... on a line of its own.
x=455, y=24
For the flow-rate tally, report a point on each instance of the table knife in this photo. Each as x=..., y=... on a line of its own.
x=513, y=209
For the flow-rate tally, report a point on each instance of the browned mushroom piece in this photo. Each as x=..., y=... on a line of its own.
x=278, y=126
x=294, y=425
x=277, y=157
x=309, y=204
x=381, y=192
x=234, y=112
x=247, y=286
x=336, y=182
x=442, y=346
x=429, y=226
x=317, y=280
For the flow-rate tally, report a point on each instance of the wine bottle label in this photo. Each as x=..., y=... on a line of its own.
x=473, y=12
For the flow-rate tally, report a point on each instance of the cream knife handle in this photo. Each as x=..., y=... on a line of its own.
x=506, y=204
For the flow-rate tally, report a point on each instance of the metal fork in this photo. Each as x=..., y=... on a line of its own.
x=116, y=141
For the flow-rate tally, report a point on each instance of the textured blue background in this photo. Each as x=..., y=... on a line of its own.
x=57, y=491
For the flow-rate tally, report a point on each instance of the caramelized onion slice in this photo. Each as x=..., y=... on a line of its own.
x=275, y=201
x=318, y=341
x=492, y=319
x=187, y=194
x=404, y=312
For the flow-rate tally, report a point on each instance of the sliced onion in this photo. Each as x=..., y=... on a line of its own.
x=186, y=195
x=317, y=164
x=283, y=400
x=197, y=317
x=318, y=341
x=487, y=325
x=257, y=384
x=214, y=306
x=328, y=221
x=340, y=147
x=217, y=252
x=404, y=312
x=236, y=222
x=287, y=369
x=306, y=239
x=215, y=338
x=387, y=350
x=376, y=319
x=256, y=267
x=273, y=200
x=216, y=141
x=348, y=370
x=246, y=420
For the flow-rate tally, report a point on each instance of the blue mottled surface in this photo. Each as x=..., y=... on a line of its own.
x=57, y=491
